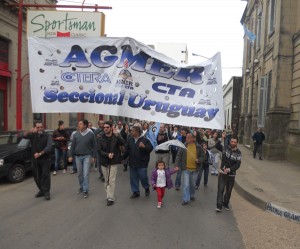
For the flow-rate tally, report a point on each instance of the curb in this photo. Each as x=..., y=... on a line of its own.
x=267, y=206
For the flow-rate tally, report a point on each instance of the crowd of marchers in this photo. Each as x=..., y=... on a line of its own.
x=113, y=145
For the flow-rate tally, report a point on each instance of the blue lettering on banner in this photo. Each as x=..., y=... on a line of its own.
x=134, y=101
x=138, y=62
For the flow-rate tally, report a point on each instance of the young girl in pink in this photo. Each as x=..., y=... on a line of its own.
x=160, y=179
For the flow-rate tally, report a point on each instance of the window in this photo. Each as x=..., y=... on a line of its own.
x=3, y=51
x=272, y=4
x=246, y=100
x=73, y=119
x=264, y=98
x=258, y=34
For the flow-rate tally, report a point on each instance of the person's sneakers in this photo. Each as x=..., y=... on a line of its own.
x=147, y=192
x=79, y=191
x=159, y=205
x=73, y=172
x=134, y=195
x=226, y=207
x=64, y=171
x=47, y=197
x=85, y=194
x=219, y=209
x=39, y=194
x=193, y=198
x=54, y=172
x=184, y=203
x=177, y=188
x=260, y=158
x=109, y=203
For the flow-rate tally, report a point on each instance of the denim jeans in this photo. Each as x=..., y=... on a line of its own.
x=201, y=170
x=225, y=182
x=60, y=154
x=178, y=179
x=83, y=164
x=137, y=174
x=189, y=179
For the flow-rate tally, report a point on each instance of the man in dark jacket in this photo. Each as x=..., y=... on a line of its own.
x=231, y=162
x=110, y=158
x=41, y=143
x=138, y=149
x=60, y=138
x=258, y=138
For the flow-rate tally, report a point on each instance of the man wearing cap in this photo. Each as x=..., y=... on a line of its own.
x=138, y=149
x=60, y=138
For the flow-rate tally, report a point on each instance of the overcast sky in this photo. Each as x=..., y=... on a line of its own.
x=206, y=26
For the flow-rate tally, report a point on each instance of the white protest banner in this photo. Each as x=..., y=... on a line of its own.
x=123, y=77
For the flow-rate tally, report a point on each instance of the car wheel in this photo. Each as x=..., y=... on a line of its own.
x=16, y=173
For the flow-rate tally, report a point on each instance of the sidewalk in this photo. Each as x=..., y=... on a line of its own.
x=273, y=186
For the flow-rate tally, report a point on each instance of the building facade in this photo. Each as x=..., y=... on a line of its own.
x=271, y=77
x=232, y=107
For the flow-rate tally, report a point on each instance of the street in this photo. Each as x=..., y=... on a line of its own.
x=70, y=221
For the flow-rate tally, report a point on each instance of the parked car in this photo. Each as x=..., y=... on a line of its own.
x=15, y=156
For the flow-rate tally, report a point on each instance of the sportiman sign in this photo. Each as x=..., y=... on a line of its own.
x=49, y=24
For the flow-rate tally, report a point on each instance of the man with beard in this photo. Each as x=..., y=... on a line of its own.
x=41, y=145
x=109, y=151
x=231, y=161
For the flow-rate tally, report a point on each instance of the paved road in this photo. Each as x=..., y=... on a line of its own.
x=70, y=221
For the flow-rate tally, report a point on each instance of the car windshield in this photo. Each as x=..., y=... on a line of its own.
x=24, y=142
x=8, y=138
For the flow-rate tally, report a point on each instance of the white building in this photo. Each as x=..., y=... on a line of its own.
x=176, y=51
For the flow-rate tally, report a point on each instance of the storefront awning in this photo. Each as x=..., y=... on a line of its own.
x=5, y=73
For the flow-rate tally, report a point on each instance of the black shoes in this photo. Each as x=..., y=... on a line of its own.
x=184, y=203
x=260, y=158
x=226, y=207
x=39, y=194
x=85, y=194
x=101, y=177
x=147, y=192
x=47, y=197
x=135, y=195
x=109, y=203
x=193, y=199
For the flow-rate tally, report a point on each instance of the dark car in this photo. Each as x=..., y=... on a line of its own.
x=15, y=156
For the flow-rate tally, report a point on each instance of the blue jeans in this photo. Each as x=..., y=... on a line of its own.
x=178, y=179
x=189, y=179
x=137, y=174
x=201, y=170
x=83, y=164
x=60, y=154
